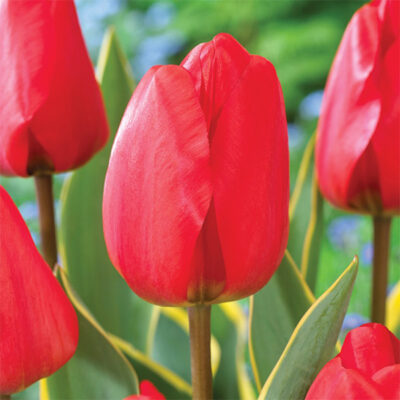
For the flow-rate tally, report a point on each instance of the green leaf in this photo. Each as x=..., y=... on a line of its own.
x=172, y=333
x=312, y=342
x=98, y=370
x=229, y=326
x=306, y=218
x=166, y=381
x=171, y=346
x=274, y=313
x=31, y=392
x=312, y=240
x=82, y=246
x=169, y=368
x=278, y=307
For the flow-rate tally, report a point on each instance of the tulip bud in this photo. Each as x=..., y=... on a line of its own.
x=358, y=142
x=368, y=367
x=52, y=117
x=38, y=325
x=196, y=195
x=147, y=392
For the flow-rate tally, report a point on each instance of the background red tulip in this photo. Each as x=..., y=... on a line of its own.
x=358, y=143
x=147, y=392
x=368, y=367
x=196, y=195
x=38, y=325
x=51, y=111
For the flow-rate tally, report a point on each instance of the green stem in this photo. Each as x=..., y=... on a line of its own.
x=200, y=336
x=380, y=268
x=44, y=195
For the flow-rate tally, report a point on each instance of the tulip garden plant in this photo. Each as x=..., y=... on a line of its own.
x=183, y=266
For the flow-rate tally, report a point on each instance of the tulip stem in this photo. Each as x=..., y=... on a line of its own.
x=380, y=268
x=44, y=195
x=200, y=335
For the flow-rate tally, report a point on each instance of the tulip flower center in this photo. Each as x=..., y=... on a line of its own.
x=38, y=159
x=363, y=192
x=208, y=267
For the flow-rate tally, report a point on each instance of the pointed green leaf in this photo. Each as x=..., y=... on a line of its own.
x=312, y=240
x=274, y=313
x=312, y=342
x=98, y=370
x=172, y=333
x=278, y=307
x=171, y=347
x=306, y=218
x=82, y=245
x=167, y=382
x=229, y=326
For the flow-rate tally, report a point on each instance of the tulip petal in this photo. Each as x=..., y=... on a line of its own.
x=386, y=141
x=388, y=379
x=51, y=107
x=249, y=161
x=158, y=186
x=351, y=106
x=216, y=68
x=336, y=382
x=38, y=325
x=370, y=348
x=148, y=389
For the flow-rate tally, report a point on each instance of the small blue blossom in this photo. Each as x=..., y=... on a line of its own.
x=343, y=232
x=310, y=106
x=352, y=321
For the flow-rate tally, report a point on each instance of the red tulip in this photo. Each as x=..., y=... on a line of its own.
x=358, y=143
x=38, y=325
x=196, y=195
x=368, y=368
x=52, y=116
x=147, y=392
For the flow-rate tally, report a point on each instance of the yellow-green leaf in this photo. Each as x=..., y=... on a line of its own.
x=98, y=369
x=312, y=342
x=306, y=218
x=274, y=313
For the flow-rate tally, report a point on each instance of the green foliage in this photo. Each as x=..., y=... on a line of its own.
x=274, y=313
x=32, y=392
x=312, y=343
x=306, y=218
x=166, y=381
x=229, y=327
x=98, y=370
x=168, y=339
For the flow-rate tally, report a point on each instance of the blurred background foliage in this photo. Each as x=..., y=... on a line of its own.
x=300, y=37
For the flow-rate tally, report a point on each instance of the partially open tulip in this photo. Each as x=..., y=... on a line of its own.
x=358, y=142
x=147, y=392
x=368, y=368
x=38, y=325
x=52, y=117
x=196, y=194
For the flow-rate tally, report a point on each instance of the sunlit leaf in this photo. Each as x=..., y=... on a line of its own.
x=312, y=342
